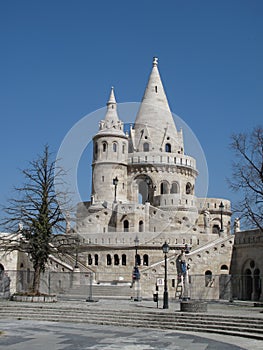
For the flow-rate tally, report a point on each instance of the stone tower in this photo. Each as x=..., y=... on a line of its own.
x=144, y=181
x=110, y=147
x=164, y=174
x=152, y=202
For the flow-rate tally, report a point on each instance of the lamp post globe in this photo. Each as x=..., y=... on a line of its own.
x=165, y=248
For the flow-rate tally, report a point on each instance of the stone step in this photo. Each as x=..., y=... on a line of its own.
x=31, y=307
x=224, y=324
x=138, y=323
x=180, y=321
x=57, y=307
x=101, y=290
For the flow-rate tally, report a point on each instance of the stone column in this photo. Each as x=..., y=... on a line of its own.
x=76, y=276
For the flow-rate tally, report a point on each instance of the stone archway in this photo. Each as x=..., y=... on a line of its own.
x=257, y=284
x=251, y=281
x=145, y=189
x=247, y=285
x=2, y=270
x=4, y=283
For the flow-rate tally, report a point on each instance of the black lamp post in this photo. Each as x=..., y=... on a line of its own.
x=165, y=248
x=136, y=242
x=77, y=253
x=136, y=272
x=221, y=206
x=115, y=183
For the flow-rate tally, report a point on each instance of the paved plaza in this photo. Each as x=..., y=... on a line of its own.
x=35, y=335
x=44, y=335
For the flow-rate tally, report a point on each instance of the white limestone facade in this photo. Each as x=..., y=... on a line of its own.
x=143, y=186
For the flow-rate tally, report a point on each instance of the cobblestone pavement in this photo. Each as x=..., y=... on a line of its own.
x=35, y=335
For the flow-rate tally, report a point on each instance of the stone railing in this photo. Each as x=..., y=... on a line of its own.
x=168, y=159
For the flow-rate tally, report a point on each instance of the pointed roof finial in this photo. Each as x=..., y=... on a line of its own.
x=155, y=61
x=112, y=97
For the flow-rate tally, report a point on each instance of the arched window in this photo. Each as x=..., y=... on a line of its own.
x=126, y=225
x=108, y=259
x=248, y=284
x=104, y=147
x=89, y=259
x=188, y=188
x=168, y=148
x=141, y=226
x=95, y=150
x=224, y=268
x=96, y=259
x=208, y=278
x=164, y=188
x=216, y=229
x=114, y=147
x=116, y=259
x=146, y=147
x=146, y=260
x=123, y=148
x=123, y=259
x=28, y=275
x=174, y=188
x=257, y=284
x=138, y=259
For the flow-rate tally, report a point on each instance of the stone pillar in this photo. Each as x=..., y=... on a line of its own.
x=76, y=277
x=147, y=210
x=207, y=221
x=186, y=289
x=137, y=291
x=193, y=306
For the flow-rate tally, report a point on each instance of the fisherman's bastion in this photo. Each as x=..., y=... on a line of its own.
x=144, y=219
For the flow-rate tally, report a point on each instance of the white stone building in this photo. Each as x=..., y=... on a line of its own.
x=143, y=195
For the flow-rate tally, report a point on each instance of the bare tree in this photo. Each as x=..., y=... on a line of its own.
x=247, y=176
x=35, y=214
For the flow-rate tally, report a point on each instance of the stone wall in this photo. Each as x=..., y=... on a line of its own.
x=247, y=265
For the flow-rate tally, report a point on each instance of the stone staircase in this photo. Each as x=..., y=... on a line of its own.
x=93, y=313
x=101, y=291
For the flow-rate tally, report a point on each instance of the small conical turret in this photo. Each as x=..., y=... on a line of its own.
x=111, y=121
x=110, y=149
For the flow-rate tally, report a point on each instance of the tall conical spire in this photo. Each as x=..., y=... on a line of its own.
x=111, y=122
x=155, y=113
x=154, y=109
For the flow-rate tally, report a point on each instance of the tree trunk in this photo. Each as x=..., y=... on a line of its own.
x=36, y=280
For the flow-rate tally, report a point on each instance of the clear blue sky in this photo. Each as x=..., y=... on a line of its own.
x=59, y=59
